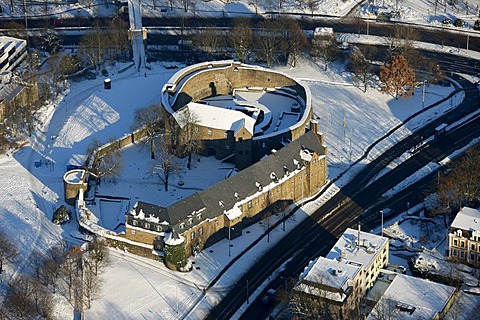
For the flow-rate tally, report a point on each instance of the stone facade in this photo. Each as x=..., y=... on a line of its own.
x=225, y=209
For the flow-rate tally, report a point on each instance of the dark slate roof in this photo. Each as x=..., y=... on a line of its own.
x=212, y=202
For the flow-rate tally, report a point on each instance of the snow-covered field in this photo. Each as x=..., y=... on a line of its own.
x=135, y=288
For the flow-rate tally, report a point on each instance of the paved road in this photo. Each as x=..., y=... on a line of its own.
x=317, y=234
x=445, y=36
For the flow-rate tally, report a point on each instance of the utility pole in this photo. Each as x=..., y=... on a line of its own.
x=381, y=213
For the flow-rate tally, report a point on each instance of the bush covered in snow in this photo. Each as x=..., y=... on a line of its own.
x=61, y=215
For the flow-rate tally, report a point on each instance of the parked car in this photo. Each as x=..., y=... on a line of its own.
x=459, y=23
x=268, y=297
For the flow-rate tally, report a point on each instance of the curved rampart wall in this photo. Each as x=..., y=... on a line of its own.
x=225, y=79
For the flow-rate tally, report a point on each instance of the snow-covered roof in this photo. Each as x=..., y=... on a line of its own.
x=408, y=297
x=467, y=219
x=217, y=118
x=331, y=273
x=233, y=213
x=351, y=253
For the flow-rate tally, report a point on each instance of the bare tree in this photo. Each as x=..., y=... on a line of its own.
x=119, y=44
x=8, y=250
x=70, y=271
x=106, y=162
x=93, y=46
x=269, y=39
x=98, y=254
x=361, y=68
x=241, y=37
x=209, y=40
x=166, y=164
x=149, y=118
x=91, y=284
x=398, y=77
x=19, y=298
x=325, y=47
x=295, y=41
x=190, y=143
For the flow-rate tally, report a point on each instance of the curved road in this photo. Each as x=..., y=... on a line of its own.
x=317, y=234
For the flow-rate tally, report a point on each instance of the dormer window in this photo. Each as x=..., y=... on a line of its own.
x=199, y=216
x=296, y=163
x=190, y=221
x=147, y=225
x=158, y=228
x=259, y=186
x=182, y=225
x=287, y=172
x=273, y=176
x=135, y=223
x=221, y=203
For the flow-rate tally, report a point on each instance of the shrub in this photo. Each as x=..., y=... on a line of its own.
x=61, y=215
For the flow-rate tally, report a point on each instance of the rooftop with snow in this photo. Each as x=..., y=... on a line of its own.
x=327, y=272
x=408, y=297
x=356, y=247
x=467, y=219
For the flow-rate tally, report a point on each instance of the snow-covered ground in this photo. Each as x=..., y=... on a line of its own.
x=135, y=288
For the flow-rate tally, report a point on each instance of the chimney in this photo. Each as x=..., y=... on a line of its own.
x=315, y=126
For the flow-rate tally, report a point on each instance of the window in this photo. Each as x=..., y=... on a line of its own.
x=473, y=246
x=158, y=228
x=200, y=231
x=135, y=223
x=462, y=244
x=134, y=232
x=462, y=254
x=209, y=132
x=454, y=252
x=249, y=204
x=147, y=225
x=472, y=257
x=182, y=225
x=455, y=242
x=192, y=235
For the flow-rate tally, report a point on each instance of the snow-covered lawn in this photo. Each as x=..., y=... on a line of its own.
x=135, y=288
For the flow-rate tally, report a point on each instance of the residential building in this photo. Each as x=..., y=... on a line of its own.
x=12, y=52
x=14, y=93
x=407, y=297
x=464, y=237
x=347, y=272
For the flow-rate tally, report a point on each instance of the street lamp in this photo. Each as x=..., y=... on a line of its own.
x=423, y=94
x=229, y=239
x=381, y=213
